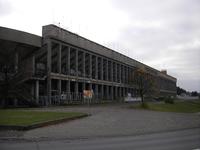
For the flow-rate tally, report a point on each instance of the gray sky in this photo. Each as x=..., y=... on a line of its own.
x=164, y=34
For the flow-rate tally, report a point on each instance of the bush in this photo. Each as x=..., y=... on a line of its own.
x=160, y=98
x=144, y=105
x=169, y=100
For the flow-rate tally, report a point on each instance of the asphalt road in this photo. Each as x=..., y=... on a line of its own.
x=177, y=140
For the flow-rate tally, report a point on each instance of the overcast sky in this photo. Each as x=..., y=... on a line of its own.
x=164, y=34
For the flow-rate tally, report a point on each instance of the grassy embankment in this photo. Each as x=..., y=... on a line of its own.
x=24, y=117
x=178, y=106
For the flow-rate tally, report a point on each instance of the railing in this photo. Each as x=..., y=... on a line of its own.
x=69, y=98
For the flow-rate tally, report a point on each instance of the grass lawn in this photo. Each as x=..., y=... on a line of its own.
x=178, y=106
x=24, y=117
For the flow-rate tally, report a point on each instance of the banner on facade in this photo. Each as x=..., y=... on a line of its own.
x=87, y=93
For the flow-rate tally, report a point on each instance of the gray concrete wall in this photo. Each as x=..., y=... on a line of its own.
x=52, y=31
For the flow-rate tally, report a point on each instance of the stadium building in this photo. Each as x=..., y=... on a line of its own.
x=57, y=67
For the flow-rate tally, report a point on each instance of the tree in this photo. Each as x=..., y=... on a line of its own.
x=180, y=91
x=194, y=93
x=145, y=83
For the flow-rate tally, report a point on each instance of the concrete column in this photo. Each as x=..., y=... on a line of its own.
x=90, y=65
x=116, y=93
x=49, y=72
x=37, y=91
x=33, y=65
x=107, y=69
x=76, y=90
x=90, y=86
x=101, y=68
x=59, y=89
x=83, y=64
x=124, y=94
x=76, y=69
x=102, y=91
x=68, y=61
x=84, y=86
x=33, y=90
x=123, y=74
x=68, y=90
x=96, y=91
x=111, y=92
x=132, y=92
x=68, y=86
x=108, y=92
x=116, y=72
x=126, y=74
x=15, y=102
x=96, y=67
x=120, y=69
x=111, y=70
x=59, y=58
x=16, y=61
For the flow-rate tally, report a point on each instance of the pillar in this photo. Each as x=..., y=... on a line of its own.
x=90, y=65
x=33, y=64
x=37, y=91
x=76, y=90
x=111, y=70
x=76, y=67
x=96, y=91
x=59, y=89
x=68, y=90
x=16, y=61
x=59, y=58
x=101, y=68
x=68, y=61
x=111, y=93
x=106, y=69
x=123, y=91
x=120, y=69
x=96, y=67
x=90, y=86
x=33, y=90
x=102, y=91
x=48, y=72
x=123, y=74
x=116, y=93
x=83, y=64
x=107, y=92
x=116, y=76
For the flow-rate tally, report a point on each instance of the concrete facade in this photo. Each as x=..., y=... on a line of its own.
x=59, y=65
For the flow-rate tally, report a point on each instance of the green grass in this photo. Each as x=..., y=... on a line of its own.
x=24, y=117
x=184, y=106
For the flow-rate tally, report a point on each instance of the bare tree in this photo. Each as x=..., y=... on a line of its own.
x=145, y=83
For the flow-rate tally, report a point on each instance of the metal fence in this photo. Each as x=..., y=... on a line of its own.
x=69, y=98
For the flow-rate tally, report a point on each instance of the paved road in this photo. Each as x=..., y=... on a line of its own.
x=176, y=140
x=109, y=121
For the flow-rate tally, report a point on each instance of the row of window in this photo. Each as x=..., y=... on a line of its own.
x=82, y=63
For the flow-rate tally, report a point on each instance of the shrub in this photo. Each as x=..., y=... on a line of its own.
x=160, y=99
x=169, y=100
x=144, y=105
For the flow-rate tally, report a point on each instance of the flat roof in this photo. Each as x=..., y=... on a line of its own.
x=17, y=36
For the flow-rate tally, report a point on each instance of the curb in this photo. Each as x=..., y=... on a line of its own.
x=43, y=124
